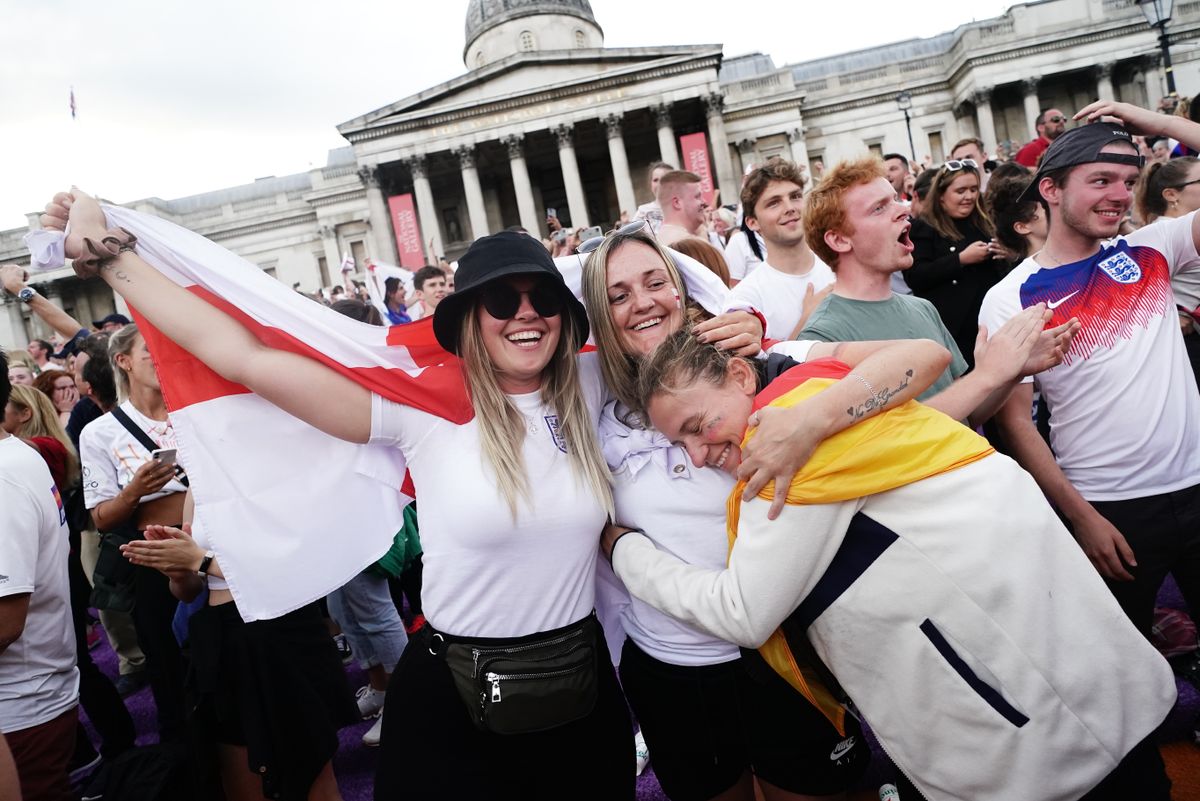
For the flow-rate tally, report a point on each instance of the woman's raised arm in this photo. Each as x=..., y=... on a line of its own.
x=300, y=386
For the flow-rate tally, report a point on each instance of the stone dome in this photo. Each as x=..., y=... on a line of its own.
x=484, y=17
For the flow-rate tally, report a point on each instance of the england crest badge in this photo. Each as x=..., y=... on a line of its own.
x=1121, y=268
x=556, y=431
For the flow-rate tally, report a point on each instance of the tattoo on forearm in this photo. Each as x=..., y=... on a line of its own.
x=118, y=275
x=879, y=399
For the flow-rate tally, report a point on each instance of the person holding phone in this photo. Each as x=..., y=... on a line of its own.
x=126, y=490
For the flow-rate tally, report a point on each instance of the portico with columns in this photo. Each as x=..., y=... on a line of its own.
x=574, y=128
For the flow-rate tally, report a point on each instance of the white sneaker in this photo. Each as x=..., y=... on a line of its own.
x=370, y=701
x=375, y=733
x=643, y=753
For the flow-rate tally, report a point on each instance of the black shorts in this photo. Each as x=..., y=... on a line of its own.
x=276, y=687
x=432, y=751
x=706, y=726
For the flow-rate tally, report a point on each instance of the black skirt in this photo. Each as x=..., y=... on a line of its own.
x=276, y=687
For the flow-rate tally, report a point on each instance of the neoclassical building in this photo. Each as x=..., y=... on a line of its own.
x=547, y=117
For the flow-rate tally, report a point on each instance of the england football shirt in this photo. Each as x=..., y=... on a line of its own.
x=1124, y=411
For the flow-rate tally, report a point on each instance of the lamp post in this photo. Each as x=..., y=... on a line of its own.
x=1158, y=14
x=904, y=101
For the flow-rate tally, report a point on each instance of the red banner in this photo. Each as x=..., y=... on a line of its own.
x=695, y=159
x=408, y=231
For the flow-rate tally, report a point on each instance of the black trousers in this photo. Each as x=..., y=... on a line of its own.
x=1164, y=533
x=153, y=611
x=432, y=750
x=97, y=695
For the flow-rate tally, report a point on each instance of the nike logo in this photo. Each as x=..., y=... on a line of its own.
x=841, y=749
x=1054, y=304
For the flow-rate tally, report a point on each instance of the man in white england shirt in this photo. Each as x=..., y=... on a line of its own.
x=785, y=288
x=1124, y=411
x=39, y=683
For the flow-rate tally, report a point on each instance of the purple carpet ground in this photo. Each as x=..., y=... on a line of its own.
x=354, y=764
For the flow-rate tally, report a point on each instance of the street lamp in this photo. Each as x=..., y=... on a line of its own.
x=904, y=101
x=1158, y=14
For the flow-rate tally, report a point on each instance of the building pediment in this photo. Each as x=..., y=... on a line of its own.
x=527, y=79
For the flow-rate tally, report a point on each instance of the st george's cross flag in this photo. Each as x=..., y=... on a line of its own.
x=293, y=513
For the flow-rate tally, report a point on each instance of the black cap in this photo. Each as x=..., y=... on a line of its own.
x=1082, y=145
x=497, y=256
x=112, y=318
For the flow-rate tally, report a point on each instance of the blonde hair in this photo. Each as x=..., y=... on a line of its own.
x=502, y=425
x=43, y=422
x=120, y=344
x=619, y=367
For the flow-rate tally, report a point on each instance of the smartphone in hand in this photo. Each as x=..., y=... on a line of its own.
x=164, y=455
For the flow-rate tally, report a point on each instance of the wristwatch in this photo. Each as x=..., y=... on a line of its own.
x=27, y=294
x=202, y=571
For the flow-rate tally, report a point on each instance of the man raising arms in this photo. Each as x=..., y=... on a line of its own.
x=1124, y=412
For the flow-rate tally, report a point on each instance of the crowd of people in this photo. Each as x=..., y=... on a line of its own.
x=720, y=461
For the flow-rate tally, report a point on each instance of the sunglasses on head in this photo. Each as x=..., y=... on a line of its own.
x=625, y=230
x=502, y=300
x=954, y=165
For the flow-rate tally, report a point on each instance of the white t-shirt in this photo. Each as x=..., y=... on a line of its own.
x=652, y=213
x=1124, y=411
x=656, y=488
x=38, y=678
x=740, y=258
x=486, y=576
x=780, y=296
x=110, y=455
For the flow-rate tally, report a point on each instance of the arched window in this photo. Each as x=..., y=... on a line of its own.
x=580, y=41
x=528, y=43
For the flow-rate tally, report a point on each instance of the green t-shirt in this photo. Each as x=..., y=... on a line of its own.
x=840, y=319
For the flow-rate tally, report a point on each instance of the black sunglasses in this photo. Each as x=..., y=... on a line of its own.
x=596, y=241
x=502, y=300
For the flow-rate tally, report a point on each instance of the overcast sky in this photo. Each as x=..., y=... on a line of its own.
x=175, y=99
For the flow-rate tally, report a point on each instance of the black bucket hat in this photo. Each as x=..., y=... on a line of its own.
x=491, y=258
x=1082, y=145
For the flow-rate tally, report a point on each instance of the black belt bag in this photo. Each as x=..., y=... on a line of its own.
x=525, y=684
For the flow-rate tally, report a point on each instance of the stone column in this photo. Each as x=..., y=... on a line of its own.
x=476, y=209
x=82, y=303
x=12, y=324
x=620, y=165
x=799, y=149
x=1152, y=75
x=576, y=200
x=667, y=151
x=526, y=206
x=1033, y=107
x=987, y=125
x=431, y=230
x=333, y=259
x=1104, y=81
x=746, y=150
x=382, y=240
x=726, y=179
x=966, y=121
